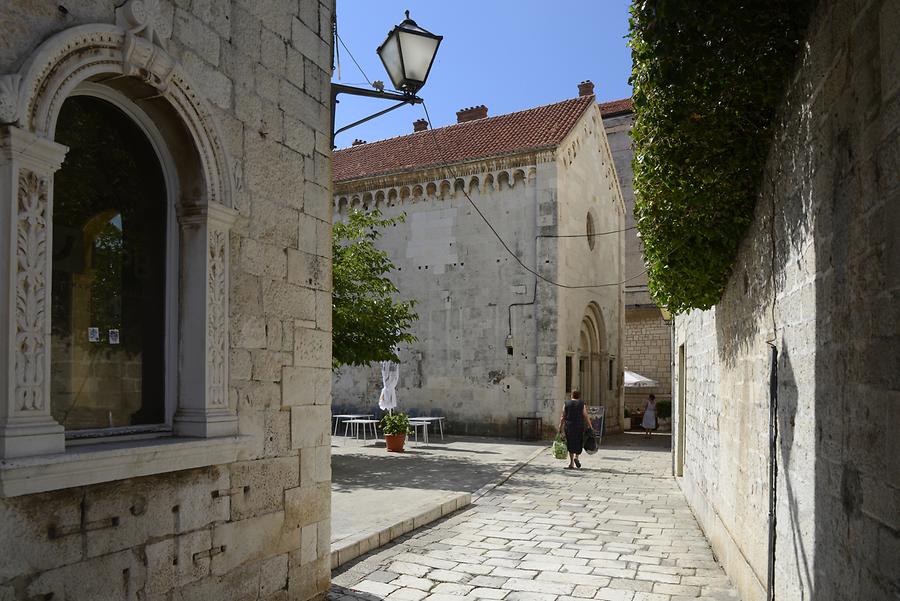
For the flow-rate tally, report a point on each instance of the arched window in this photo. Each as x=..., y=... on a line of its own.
x=591, y=231
x=111, y=233
x=119, y=274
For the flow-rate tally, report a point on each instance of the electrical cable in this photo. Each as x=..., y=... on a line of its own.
x=503, y=242
x=337, y=50
x=350, y=54
x=629, y=228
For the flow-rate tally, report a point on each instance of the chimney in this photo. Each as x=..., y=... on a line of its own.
x=357, y=142
x=420, y=125
x=471, y=113
x=586, y=88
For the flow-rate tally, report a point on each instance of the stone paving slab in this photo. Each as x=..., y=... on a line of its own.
x=617, y=530
x=378, y=497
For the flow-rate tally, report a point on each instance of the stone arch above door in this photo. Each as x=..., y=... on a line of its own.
x=592, y=348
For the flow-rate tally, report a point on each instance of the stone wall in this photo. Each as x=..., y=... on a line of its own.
x=466, y=288
x=618, y=130
x=648, y=351
x=827, y=221
x=259, y=527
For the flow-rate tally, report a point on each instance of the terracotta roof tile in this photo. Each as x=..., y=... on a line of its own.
x=616, y=107
x=531, y=129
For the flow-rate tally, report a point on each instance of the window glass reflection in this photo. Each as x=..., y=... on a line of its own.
x=109, y=241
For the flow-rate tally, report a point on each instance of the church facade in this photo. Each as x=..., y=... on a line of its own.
x=159, y=163
x=502, y=332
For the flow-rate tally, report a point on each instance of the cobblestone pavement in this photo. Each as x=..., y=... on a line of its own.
x=619, y=529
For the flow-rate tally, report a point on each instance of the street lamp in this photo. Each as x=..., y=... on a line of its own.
x=407, y=54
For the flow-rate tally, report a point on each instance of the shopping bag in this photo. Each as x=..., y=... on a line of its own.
x=559, y=448
x=590, y=442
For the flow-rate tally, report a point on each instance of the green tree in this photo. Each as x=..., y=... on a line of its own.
x=369, y=320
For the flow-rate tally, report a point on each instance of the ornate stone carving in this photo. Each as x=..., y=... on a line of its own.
x=132, y=47
x=9, y=98
x=144, y=18
x=216, y=318
x=31, y=283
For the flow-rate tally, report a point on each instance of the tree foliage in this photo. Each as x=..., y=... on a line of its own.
x=707, y=79
x=368, y=320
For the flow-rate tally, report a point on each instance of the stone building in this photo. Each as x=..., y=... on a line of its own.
x=648, y=335
x=164, y=416
x=496, y=342
x=817, y=276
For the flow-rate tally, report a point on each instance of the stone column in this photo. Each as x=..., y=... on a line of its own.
x=203, y=409
x=27, y=165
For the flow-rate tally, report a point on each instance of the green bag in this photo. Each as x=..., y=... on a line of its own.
x=560, y=451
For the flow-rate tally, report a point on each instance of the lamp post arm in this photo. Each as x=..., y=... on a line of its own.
x=337, y=88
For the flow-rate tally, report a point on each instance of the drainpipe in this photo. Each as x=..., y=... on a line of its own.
x=773, y=470
x=672, y=399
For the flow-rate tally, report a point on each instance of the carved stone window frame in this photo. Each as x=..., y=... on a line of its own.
x=129, y=56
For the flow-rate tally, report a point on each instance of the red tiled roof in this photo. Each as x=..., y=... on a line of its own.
x=531, y=129
x=616, y=107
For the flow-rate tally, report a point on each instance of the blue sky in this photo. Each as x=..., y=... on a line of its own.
x=506, y=54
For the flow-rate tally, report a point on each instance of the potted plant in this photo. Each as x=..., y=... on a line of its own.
x=395, y=427
x=626, y=421
x=664, y=415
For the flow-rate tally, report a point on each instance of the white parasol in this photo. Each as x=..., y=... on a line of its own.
x=636, y=380
x=390, y=376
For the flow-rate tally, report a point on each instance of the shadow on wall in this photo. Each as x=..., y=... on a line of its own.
x=788, y=400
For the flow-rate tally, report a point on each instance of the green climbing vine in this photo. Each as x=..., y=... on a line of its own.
x=707, y=79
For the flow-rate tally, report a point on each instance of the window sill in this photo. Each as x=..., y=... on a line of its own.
x=83, y=465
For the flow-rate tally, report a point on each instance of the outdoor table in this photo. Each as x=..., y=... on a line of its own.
x=338, y=417
x=415, y=423
x=362, y=422
x=430, y=420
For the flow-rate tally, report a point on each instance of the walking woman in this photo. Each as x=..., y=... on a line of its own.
x=573, y=421
x=649, y=421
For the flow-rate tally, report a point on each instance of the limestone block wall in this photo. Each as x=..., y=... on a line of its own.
x=470, y=293
x=827, y=220
x=648, y=351
x=620, y=145
x=257, y=528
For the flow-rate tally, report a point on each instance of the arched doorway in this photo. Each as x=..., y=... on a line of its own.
x=590, y=356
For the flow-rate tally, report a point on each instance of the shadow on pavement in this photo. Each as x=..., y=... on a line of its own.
x=636, y=441
x=413, y=470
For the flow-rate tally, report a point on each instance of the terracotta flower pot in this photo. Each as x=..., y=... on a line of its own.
x=394, y=442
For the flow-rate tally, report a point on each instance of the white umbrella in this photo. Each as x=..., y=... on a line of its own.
x=636, y=380
x=390, y=376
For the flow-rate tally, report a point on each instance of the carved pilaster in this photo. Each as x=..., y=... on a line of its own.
x=216, y=320
x=27, y=165
x=31, y=292
x=203, y=372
